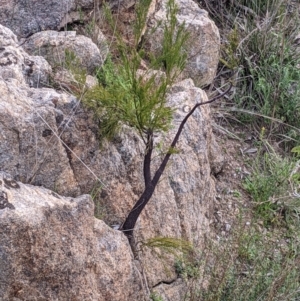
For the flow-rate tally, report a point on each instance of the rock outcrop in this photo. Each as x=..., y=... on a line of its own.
x=65, y=47
x=30, y=17
x=27, y=17
x=15, y=63
x=52, y=248
x=204, y=39
x=47, y=138
x=27, y=119
x=31, y=121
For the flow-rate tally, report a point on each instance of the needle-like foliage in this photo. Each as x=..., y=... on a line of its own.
x=137, y=98
x=124, y=95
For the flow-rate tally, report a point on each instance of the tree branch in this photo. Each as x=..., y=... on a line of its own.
x=163, y=165
x=150, y=185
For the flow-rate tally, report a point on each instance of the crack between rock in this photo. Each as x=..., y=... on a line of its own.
x=165, y=282
x=69, y=156
x=177, y=203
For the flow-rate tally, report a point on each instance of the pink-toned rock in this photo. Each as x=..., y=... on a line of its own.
x=52, y=248
x=204, y=39
x=46, y=136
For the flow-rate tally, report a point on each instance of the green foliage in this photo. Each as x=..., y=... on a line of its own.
x=272, y=73
x=99, y=209
x=230, y=50
x=259, y=6
x=125, y=96
x=260, y=48
x=247, y=266
x=90, y=28
x=166, y=248
x=276, y=90
x=270, y=188
x=155, y=297
x=186, y=268
x=236, y=194
x=270, y=273
x=173, y=57
x=296, y=150
x=169, y=245
x=73, y=64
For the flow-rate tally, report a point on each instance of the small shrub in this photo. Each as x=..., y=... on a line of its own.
x=99, y=210
x=155, y=297
x=125, y=97
x=271, y=188
x=230, y=56
x=73, y=64
x=186, y=268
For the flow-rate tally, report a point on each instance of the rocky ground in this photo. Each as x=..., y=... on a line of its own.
x=52, y=247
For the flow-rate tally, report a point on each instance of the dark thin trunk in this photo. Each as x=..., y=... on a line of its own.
x=132, y=217
x=147, y=158
x=150, y=185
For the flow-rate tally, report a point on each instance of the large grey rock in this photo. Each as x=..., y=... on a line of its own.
x=29, y=149
x=52, y=248
x=27, y=17
x=31, y=119
x=181, y=205
x=204, y=39
x=54, y=46
x=28, y=121
x=16, y=63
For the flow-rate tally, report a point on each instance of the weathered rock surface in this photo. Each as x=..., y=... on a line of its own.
x=204, y=39
x=175, y=291
x=181, y=204
x=30, y=122
x=52, y=248
x=27, y=119
x=31, y=119
x=27, y=17
x=29, y=149
x=54, y=46
x=16, y=63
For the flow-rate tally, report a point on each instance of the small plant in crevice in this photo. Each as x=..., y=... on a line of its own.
x=70, y=75
x=155, y=297
x=166, y=250
x=170, y=245
x=73, y=64
x=163, y=247
x=126, y=95
x=186, y=268
x=99, y=209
